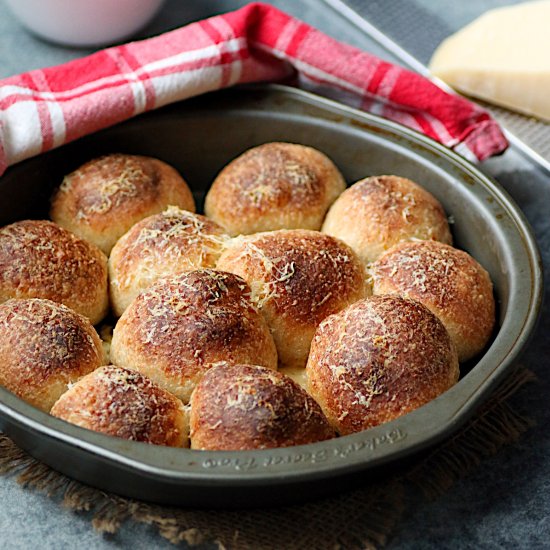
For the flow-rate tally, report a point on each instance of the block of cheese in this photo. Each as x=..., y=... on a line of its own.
x=502, y=57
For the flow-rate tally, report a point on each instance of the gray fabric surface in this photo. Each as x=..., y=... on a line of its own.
x=505, y=503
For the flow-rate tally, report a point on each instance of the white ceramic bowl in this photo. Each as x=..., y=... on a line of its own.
x=84, y=22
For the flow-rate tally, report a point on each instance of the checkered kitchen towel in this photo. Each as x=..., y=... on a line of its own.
x=45, y=108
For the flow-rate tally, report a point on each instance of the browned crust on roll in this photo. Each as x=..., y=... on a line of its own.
x=377, y=360
x=123, y=403
x=103, y=198
x=248, y=407
x=161, y=245
x=377, y=212
x=39, y=259
x=44, y=347
x=447, y=281
x=174, y=331
x=274, y=186
x=298, y=277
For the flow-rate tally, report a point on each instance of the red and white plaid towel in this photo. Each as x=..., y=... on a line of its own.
x=45, y=108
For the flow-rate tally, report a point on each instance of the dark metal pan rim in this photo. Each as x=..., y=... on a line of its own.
x=345, y=454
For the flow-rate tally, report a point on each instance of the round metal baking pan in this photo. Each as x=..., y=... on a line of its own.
x=199, y=137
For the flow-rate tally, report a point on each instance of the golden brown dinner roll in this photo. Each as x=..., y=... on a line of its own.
x=274, y=186
x=39, y=259
x=158, y=246
x=176, y=329
x=377, y=360
x=238, y=407
x=297, y=277
x=447, y=281
x=124, y=403
x=44, y=347
x=103, y=198
x=378, y=212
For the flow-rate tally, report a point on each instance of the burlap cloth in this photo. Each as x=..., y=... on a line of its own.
x=362, y=519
